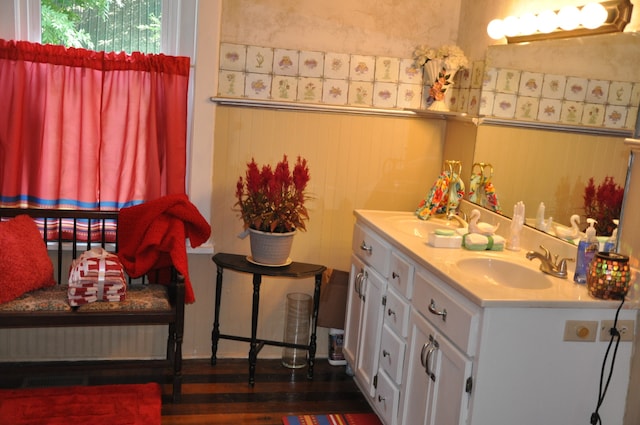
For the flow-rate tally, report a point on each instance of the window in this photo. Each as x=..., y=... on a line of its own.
x=104, y=25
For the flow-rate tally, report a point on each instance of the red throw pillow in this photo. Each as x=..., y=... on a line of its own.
x=24, y=262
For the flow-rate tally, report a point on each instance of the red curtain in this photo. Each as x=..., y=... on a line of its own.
x=90, y=130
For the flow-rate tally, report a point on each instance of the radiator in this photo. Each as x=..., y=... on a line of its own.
x=83, y=343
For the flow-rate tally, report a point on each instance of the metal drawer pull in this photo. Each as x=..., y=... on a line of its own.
x=434, y=346
x=364, y=247
x=385, y=353
x=391, y=313
x=394, y=275
x=433, y=310
x=425, y=347
x=381, y=399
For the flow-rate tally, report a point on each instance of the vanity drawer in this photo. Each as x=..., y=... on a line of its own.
x=387, y=400
x=401, y=271
x=392, y=349
x=452, y=314
x=396, y=313
x=371, y=249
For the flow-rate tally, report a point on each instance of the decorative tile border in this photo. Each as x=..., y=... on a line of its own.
x=256, y=72
x=341, y=79
x=559, y=99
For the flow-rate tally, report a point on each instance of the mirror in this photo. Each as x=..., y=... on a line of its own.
x=551, y=164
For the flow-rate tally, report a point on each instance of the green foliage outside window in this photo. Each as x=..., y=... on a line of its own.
x=109, y=25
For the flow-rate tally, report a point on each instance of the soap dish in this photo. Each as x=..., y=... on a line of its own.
x=445, y=241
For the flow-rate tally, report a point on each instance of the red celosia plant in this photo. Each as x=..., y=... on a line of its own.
x=272, y=200
x=603, y=203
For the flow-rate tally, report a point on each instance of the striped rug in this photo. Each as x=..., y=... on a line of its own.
x=333, y=419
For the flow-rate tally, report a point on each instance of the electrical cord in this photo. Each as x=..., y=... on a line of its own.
x=615, y=335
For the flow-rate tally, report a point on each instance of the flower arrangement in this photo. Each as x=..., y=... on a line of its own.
x=272, y=199
x=604, y=204
x=440, y=65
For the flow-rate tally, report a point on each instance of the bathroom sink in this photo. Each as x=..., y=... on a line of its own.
x=505, y=273
x=421, y=228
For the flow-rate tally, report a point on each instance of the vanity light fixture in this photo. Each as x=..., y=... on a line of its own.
x=569, y=21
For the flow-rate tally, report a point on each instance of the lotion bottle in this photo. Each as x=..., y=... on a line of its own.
x=610, y=244
x=587, y=249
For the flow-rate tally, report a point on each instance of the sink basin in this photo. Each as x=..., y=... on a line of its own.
x=422, y=228
x=505, y=273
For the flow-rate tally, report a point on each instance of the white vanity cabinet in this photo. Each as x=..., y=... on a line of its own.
x=367, y=285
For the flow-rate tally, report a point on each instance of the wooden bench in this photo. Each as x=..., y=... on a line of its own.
x=145, y=303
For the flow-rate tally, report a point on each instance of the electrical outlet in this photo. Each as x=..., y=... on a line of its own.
x=580, y=330
x=625, y=327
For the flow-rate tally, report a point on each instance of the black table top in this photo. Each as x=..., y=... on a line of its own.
x=240, y=263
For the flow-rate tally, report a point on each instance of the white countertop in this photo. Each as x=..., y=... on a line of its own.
x=562, y=293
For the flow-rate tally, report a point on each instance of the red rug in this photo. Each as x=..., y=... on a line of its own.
x=137, y=404
x=333, y=419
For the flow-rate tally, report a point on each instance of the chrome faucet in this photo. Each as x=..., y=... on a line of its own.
x=456, y=216
x=549, y=264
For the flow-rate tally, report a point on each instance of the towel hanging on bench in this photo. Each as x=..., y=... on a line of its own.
x=153, y=236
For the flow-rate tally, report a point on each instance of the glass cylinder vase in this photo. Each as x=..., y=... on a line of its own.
x=296, y=329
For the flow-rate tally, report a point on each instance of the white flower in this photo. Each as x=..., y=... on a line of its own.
x=452, y=55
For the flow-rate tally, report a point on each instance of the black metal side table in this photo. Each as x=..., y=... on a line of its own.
x=239, y=263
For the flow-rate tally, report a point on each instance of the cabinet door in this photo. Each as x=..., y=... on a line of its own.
x=370, y=329
x=436, y=378
x=354, y=311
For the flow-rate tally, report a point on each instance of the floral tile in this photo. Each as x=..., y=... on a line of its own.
x=233, y=56
x=477, y=74
x=571, y=112
x=285, y=62
x=409, y=96
x=632, y=116
x=461, y=101
x=231, y=83
x=473, y=102
x=597, y=91
x=463, y=78
x=259, y=59
x=553, y=86
x=527, y=108
x=635, y=95
x=489, y=79
x=387, y=69
x=619, y=93
x=576, y=89
x=486, y=103
x=504, y=105
x=311, y=64
x=257, y=86
x=284, y=88
x=385, y=95
x=425, y=100
x=593, y=114
x=362, y=68
x=508, y=81
x=549, y=110
x=615, y=116
x=360, y=93
x=409, y=73
x=335, y=92
x=310, y=89
x=336, y=66
x=531, y=84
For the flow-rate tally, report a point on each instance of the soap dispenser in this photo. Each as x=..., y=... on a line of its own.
x=587, y=249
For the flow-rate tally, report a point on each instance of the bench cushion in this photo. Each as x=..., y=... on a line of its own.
x=139, y=297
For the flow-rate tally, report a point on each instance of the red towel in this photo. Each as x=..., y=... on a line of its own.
x=153, y=236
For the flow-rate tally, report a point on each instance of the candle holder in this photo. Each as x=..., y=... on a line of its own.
x=609, y=276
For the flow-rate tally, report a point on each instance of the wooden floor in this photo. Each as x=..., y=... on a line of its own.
x=221, y=394
x=215, y=395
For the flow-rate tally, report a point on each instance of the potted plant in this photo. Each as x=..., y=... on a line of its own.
x=271, y=205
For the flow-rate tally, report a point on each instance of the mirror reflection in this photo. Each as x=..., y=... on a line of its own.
x=546, y=165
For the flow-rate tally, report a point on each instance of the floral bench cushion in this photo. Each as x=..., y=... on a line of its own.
x=139, y=297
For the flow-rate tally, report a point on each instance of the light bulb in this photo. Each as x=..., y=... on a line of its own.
x=593, y=15
x=547, y=21
x=495, y=29
x=511, y=26
x=569, y=17
x=528, y=24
